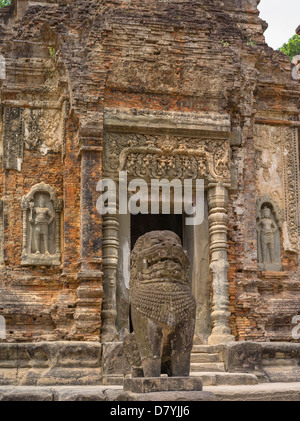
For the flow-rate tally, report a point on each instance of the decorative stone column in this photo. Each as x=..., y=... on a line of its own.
x=218, y=219
x=110, y=249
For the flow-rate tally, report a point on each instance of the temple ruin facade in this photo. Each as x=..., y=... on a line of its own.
x=161, y=90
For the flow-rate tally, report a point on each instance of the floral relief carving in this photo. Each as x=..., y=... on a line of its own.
x=151, y=156
x=42, y=130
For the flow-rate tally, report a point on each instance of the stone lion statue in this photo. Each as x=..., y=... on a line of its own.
x=162, y=307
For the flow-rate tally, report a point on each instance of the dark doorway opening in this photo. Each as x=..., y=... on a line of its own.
x=141, y=224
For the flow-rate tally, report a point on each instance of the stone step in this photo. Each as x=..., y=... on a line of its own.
x=230, y=379
x=213, y=367
x=205, y=349
x=204, y=358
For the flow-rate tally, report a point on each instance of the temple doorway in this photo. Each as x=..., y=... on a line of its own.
x=141, y=224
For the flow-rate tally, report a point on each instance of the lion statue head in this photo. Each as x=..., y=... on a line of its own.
x=159, y=278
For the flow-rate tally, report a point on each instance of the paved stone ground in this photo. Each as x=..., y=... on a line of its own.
x=260, y=392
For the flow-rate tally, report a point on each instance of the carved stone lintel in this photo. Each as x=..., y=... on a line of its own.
x=41, y=226
x=218, y=219
x=165, y=156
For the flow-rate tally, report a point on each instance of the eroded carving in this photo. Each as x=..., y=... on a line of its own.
x=291, y=192
x=276, y=159
x=41, y=218
x=268, y=229
x=31, y=129
x=13, y=138
x=162, y=306
x=42, y=130
x=41, y=226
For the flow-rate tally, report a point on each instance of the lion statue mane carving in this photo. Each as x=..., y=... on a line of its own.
x=162, y=307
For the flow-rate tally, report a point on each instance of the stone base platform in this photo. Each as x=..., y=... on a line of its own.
x=167, y=389
x=162, y=384
x=95, y=393
x=262, y=392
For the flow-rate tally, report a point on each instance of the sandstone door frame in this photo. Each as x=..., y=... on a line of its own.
x=209, y=142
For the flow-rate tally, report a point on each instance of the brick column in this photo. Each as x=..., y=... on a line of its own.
x=89, y=292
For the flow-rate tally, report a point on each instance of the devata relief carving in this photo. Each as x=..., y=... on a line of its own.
x=268, y=229
x=41, y=226
x=41, y=218
x=162, y=306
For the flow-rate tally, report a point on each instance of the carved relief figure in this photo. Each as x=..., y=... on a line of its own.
x=162, y=307
x=267, y=236
x=41, y=226
x=41, y=217
x=268, y=239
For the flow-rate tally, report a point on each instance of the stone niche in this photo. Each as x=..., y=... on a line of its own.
x=269, y=222
x=41, y=226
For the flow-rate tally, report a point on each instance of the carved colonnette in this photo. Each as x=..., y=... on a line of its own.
x=41, y=226
x=218, y=223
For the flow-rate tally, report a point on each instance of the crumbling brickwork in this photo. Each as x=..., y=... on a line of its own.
x=71, y=64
